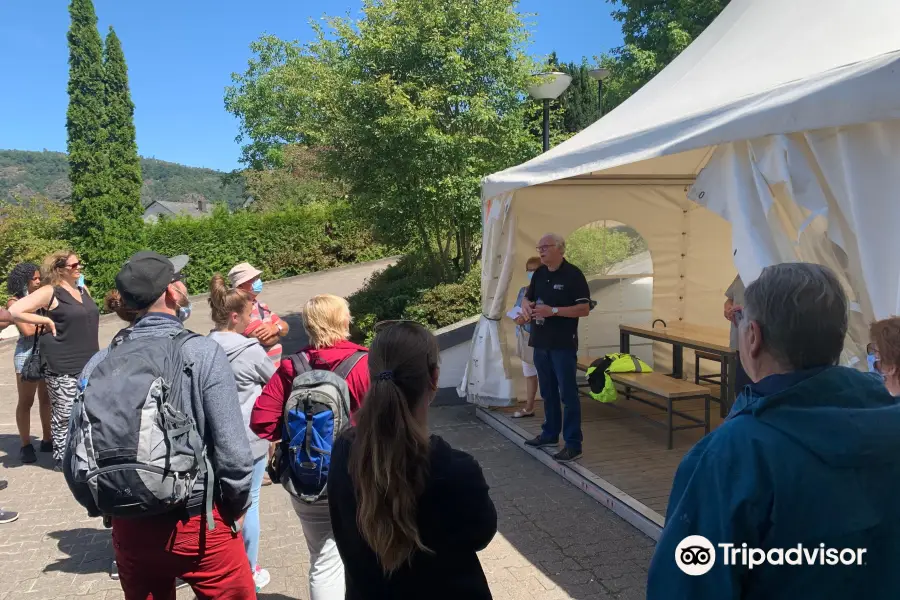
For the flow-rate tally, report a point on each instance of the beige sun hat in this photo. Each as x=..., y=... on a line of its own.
x=242, y=273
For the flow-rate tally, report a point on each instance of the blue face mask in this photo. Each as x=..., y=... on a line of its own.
x=81, y=281
x=529, y=275
x=257, y=286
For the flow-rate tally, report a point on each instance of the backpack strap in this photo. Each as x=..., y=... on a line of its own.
x=200, y=453
x=343, y=370
x=300, y=363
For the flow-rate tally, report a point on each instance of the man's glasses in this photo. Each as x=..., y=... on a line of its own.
x=542, y=248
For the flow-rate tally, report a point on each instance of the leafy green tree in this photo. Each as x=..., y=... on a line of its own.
x=579, y=103
x=595, y=249
x=85, y=118
x=297, y=180
x=412, y=106
x=92, y=189
x=655, y=32
x=104, y=171
x=125, y=164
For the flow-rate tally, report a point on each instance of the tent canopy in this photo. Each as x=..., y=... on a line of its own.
x=773, y=137
x=762, y=67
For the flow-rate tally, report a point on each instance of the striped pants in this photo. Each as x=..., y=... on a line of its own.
x=62, y=390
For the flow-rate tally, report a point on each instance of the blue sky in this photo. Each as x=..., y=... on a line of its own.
x=181, y=55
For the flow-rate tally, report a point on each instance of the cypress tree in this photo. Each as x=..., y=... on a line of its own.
x=88, y=160
x=105, y=230
x=125, y=165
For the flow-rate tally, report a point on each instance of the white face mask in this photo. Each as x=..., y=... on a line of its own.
x=184, y=310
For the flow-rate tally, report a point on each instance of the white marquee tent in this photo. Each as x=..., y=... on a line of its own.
x=773, y=137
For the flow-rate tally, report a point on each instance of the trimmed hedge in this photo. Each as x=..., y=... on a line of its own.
x=293, y=241
x=411, y=290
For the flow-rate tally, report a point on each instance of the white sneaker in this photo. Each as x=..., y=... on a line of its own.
x=261, y=578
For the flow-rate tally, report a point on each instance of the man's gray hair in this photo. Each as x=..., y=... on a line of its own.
x=558, y=240
x=801, y=309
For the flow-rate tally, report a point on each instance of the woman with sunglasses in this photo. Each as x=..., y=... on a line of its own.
x=326, y=319
x=68, y=336
x=409, y=512
x=25, y=279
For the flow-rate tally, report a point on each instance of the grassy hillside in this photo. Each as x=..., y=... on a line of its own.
x=24, y=173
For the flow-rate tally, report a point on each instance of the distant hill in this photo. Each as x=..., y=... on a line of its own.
x=24, y=173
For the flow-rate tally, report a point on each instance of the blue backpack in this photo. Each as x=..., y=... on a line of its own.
x=315, y=414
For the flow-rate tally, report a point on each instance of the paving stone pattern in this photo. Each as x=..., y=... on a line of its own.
x=553, y=541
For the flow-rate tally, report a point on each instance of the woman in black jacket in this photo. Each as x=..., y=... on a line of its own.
x=408, y=511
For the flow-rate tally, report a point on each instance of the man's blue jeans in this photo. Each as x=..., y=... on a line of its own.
x=556, y=377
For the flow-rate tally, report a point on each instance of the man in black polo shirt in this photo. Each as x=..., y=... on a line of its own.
x=556, y=298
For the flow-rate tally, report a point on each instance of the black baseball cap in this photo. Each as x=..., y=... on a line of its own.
x=145, y=276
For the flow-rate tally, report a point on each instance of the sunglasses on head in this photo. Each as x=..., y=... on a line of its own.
x=382, y=325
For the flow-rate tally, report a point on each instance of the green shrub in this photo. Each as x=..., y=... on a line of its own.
x=411, y=289
x=292, y=241
x=448, y=303
x=30, y=229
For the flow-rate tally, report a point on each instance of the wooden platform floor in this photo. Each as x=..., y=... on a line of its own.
x=626, y=450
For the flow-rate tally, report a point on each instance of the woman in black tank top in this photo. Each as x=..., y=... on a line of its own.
x=69, y=339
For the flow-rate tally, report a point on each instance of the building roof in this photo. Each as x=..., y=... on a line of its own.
x=189, y=209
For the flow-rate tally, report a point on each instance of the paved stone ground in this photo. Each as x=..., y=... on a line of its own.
x=553, y=541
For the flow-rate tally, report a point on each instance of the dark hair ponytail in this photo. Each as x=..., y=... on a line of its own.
x=390, y=457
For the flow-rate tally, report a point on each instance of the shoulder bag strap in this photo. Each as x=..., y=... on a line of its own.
x=343, y=370
x=300, y=363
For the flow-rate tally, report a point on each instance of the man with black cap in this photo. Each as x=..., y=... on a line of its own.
x=151, y=552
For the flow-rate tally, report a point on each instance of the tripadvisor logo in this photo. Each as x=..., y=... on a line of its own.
x=696, y=555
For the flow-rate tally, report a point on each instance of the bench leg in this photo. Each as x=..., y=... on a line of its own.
x=669, y=407
x=696, y=368
x=677, y=361
x=624, y=342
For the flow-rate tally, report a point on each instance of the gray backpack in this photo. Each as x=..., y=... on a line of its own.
x=315, y=414
x=133, y=443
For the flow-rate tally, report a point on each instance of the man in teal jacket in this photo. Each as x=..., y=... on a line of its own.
x=797, y=494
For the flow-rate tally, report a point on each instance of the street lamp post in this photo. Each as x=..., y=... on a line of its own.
x=599, y=74
x=549, y=87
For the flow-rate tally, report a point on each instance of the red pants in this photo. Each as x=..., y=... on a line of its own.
x=151, y=553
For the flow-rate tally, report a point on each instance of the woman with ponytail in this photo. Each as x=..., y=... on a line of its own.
x=409, y=512
x=252, y=369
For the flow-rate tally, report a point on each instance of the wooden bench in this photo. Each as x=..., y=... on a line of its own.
x=665, y=388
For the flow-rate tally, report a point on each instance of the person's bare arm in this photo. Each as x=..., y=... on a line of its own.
x=266, y=333
x=26, y=329
x=729, y=308
x=5, y=318
x=23, y=310
x=282, y=327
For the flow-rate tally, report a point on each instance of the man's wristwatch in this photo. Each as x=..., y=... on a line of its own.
x=554, y=310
